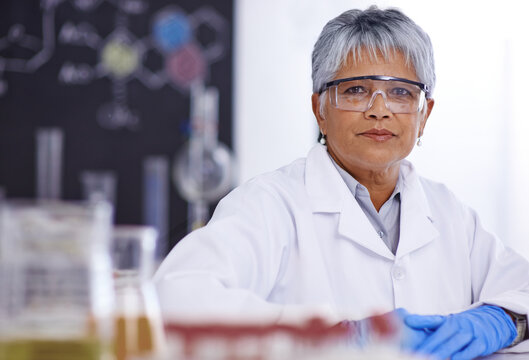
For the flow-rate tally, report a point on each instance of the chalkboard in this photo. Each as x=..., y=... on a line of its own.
x=114, y=76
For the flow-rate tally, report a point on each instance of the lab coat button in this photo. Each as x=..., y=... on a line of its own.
x=398, y=273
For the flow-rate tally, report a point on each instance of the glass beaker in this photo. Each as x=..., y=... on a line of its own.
x=56, y=296
x=138, y=322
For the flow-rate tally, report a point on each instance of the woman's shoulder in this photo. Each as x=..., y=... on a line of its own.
x=273, y=186
x=274, y=193
x=290, y=175
x=437, y=188
x=429, y=186
x=443, y=199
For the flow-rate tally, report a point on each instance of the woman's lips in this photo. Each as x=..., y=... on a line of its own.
x=379, y=135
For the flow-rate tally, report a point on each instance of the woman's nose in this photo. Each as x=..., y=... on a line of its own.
x=378, y=108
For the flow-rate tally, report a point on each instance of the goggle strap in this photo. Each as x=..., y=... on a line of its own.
x=422, y=101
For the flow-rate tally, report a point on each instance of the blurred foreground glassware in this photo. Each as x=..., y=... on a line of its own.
x=139, y=326
x=56, y=295
x=310, y=339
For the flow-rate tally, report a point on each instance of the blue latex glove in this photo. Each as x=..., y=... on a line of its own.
x=365, y=331
x=467, y=335
x=410, y=338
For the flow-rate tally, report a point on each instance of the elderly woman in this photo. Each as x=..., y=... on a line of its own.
x=352, y=229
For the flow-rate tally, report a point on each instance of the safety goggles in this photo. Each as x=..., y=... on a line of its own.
x=401, y=96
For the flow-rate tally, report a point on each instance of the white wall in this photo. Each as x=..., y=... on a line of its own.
x=474, y=140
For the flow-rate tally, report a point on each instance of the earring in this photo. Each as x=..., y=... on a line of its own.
x=419, y=142
x=323, y=138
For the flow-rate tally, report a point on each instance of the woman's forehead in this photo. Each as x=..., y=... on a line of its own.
x=365, y=62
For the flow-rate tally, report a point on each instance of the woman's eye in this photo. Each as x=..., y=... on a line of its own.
x=400, y=92
x=355, y=90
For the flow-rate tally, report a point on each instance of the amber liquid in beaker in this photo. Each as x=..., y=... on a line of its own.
x=45, y=349
x=134, y=337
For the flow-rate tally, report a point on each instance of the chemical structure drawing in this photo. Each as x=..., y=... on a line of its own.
x=121, y=54
x=41, y=49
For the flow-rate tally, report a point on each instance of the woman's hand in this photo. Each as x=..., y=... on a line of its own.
x=466, y=335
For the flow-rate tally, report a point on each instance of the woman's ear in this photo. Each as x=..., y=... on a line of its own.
x=426, y=114
x=429, y=107
x=316, y=107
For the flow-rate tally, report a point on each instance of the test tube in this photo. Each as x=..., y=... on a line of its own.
x=155, y=200
x=49, y=163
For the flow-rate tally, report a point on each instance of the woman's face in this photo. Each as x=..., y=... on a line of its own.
x=350, y=138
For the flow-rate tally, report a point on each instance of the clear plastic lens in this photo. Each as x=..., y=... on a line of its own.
x=359, y=95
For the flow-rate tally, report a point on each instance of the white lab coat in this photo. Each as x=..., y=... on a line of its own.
x=296, y=240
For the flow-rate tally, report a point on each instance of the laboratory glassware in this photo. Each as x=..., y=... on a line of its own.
x=307, y=339
x=99, y=185
x=203, y=170
x=49, y=163
x=156, y=200
x=56, y=287
x=138, y=322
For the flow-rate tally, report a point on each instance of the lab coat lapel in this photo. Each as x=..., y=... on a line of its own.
x=328, y=193
x=417, y=227
x=355, y=226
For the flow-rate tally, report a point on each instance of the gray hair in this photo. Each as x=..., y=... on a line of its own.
x=379, y=32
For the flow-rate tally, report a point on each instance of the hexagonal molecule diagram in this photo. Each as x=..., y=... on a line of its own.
x=41, y=49
x=121, y=54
